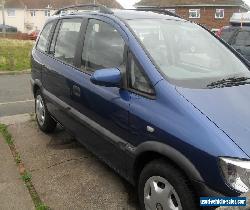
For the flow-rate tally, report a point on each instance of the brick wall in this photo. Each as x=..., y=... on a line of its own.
x=208, y=16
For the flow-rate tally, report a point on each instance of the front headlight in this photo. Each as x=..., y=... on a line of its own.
x=236, y=173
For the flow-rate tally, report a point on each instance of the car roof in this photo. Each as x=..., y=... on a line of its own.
x=123, y=14
x=135, y=14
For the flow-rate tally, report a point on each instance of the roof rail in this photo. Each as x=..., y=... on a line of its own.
x=157, y=10
x=102, y=8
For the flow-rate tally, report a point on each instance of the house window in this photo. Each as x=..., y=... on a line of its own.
x=194, y=13
x=47, y=13
x=219, y=13
x=32, y=13
x=171, y=10
x=11, y=12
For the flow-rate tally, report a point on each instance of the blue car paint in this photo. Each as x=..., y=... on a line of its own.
x=182, y=118
x=179, y=124
x=228, y=108
x=107, y=77
x=108, y=106
x=200, y=135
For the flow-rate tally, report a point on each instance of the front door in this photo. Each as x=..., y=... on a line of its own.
x=103, y=110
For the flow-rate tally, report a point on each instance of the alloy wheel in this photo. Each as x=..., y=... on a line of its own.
x=40, y=110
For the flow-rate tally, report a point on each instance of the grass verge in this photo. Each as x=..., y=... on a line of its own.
x=25, y=175
x=15, y=54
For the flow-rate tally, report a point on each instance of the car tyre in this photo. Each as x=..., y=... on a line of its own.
x=163, y=186
x=45, y=122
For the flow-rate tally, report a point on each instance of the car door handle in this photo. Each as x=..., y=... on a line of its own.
x=76, y=91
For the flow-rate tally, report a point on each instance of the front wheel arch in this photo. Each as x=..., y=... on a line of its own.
x=149, y=151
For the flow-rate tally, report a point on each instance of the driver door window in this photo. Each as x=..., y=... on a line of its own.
x=103, y=47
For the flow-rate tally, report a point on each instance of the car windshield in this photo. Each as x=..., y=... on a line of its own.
x=187, y=54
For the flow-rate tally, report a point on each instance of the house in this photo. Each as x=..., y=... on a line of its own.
x=214, y=14
x=30, y=15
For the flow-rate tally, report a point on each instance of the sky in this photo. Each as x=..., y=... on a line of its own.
x=129, y=3
x=247, y=1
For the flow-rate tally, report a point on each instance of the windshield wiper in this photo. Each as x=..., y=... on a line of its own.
x=229, y=82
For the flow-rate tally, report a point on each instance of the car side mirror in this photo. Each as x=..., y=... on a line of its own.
x=109, y=77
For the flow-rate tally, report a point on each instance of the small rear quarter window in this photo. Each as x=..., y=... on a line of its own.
x=44, y=37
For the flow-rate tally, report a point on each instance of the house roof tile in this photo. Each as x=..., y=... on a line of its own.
x=169, y=3
x=55, y=4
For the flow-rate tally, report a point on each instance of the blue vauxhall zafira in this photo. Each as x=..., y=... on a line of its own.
x=161, y=100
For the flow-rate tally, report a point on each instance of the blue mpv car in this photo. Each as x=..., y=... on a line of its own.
x=159, y=99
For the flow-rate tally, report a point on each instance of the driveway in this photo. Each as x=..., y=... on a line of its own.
x=15, y=95
x=66, y=175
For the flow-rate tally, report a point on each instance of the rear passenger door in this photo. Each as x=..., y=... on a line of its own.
x=39, y=54
x=242, y=43
x=60, y=66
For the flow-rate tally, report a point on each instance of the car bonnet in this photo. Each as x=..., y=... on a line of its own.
x=228, y=108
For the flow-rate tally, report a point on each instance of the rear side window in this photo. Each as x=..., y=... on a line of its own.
x=103, y=47
x=67, y=39
x=243, y=38
x=44, y=37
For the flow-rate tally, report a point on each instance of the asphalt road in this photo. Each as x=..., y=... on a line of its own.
x=15, y=95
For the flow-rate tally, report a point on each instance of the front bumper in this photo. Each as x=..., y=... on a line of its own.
x=202, y=190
